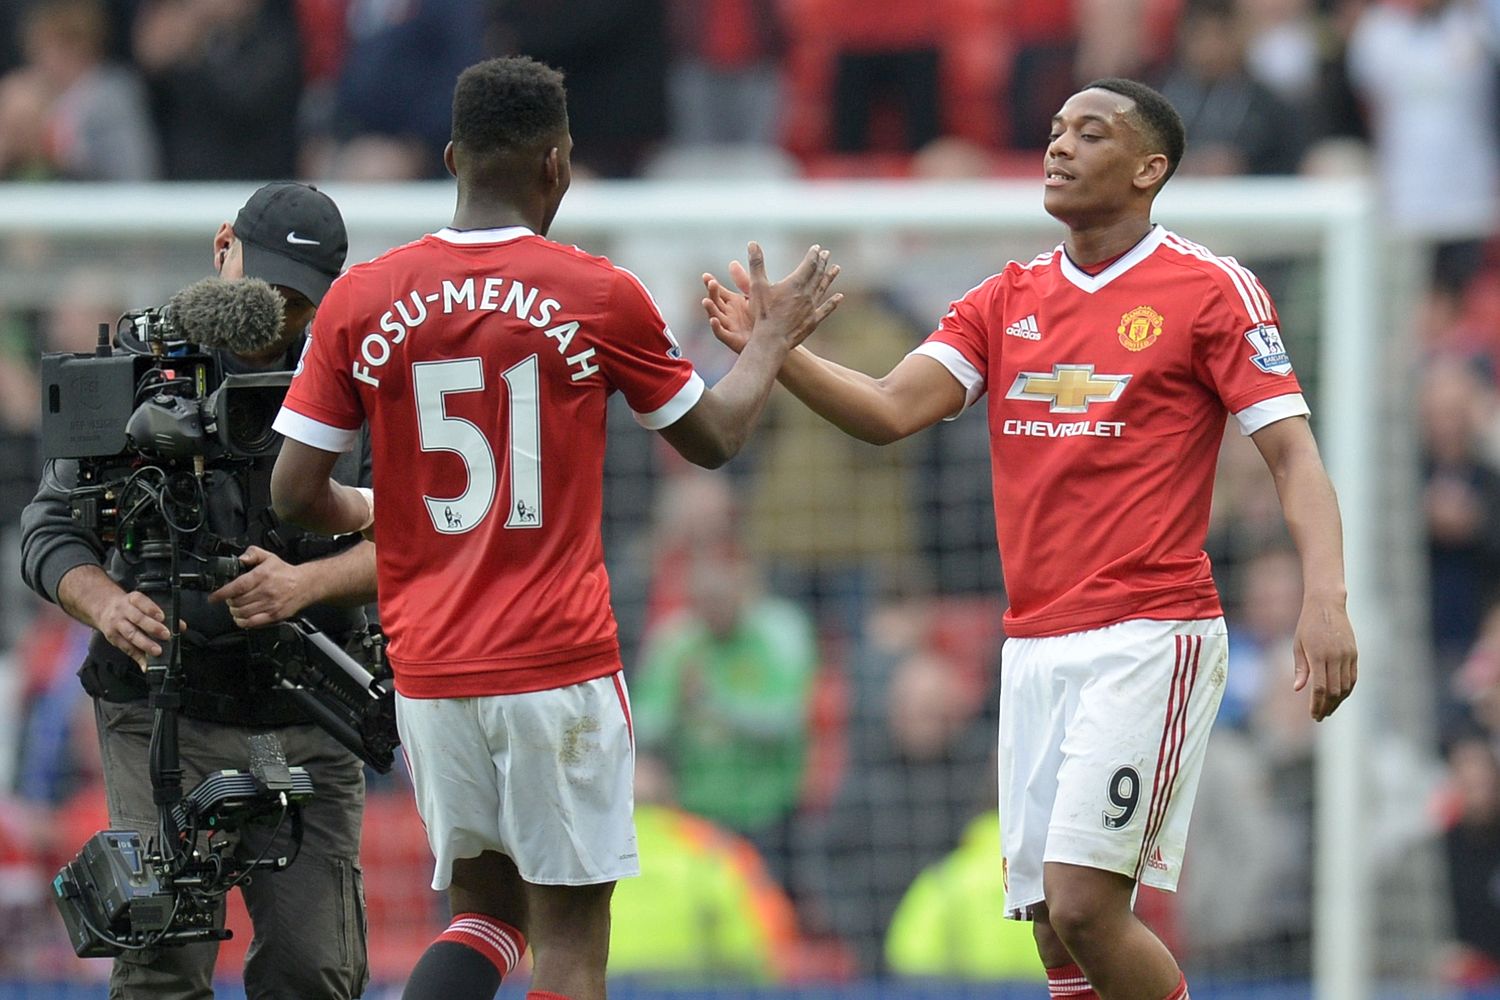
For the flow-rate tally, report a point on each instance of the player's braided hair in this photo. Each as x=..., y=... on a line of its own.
x=1158, y=121
x=509, y=103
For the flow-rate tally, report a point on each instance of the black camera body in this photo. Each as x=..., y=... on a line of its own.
x=151, y=419
x=161, y=397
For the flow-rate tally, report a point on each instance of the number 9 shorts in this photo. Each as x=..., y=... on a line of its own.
x=1102, y=738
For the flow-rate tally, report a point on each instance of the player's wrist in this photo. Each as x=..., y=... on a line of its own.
x=1331, y=593
x=367, y=496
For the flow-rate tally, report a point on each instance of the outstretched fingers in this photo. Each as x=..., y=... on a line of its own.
x=826, y=308
x=739, y=276
x=757, y=260
x=826, y=280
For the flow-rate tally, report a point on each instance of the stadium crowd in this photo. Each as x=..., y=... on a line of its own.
x=812, y=636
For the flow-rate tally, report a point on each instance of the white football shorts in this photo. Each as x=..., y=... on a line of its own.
x=1102, y=737
x=545, y=778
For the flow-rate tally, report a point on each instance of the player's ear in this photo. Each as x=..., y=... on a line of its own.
x=448, y=160
x=552, y=167
x=222, y=241
x=1152, y=171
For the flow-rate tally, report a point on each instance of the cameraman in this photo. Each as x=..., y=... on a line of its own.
x=309, y=922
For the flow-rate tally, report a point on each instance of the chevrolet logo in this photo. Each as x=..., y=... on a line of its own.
x=1068, y=388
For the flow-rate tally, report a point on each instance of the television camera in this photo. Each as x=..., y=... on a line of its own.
x=154, y=425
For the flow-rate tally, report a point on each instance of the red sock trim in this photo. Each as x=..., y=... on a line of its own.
x=544, y=995
x=1180, y=993
x=496, y=940
x=1068, y=981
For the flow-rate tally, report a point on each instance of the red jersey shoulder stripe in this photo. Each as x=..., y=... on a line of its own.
x=1257, y=303
x=1040, y=260
x=641, y=285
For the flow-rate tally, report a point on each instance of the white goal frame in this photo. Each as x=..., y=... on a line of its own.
x=1336, y=219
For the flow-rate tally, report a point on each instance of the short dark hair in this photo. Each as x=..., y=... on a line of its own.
x=1159, y=123
x=513, y=102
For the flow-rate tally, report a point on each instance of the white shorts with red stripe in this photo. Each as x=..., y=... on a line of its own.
x=545, y=778
x=1102, y=737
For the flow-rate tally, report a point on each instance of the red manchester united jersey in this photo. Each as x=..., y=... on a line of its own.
x=1108, y=395
x=482, y=361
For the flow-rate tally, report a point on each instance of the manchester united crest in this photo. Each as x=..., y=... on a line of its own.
x=1139, y=328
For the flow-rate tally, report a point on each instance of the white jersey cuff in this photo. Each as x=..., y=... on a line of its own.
x=672, y=411
x=959, y=367
x=298, y=427
x=1257, y=415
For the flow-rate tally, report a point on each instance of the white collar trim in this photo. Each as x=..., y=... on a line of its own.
x=1093, y=282
x=467, y=236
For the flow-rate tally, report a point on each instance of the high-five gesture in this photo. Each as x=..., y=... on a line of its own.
x=791, y=308
x=731, y=315
x=765, y=323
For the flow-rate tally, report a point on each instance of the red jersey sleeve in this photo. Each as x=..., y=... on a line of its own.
x=1239, y=353
x=642, y=359
x=961, y=342
x=322, y=407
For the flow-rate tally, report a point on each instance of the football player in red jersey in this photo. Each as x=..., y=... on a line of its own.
x=1111, y=364
x=482, y=356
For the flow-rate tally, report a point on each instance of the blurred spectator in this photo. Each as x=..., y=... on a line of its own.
x=50, y=770
x=921, y=748
x=1295, y=48
x=1471, y=847
x=1477, y=682
x=1260, y=762
x=721, y=698
x=1425, y=71
x=1061, y=45
x=704, y=908
x=24, y=102
x=886, y=92
x=1461, y=505
x=20, y=413
x=394, y=103
x=1236, y=124
x=831, y=516
x=696, y=520
x=225, y=77
x=614, y=54
x=1283, y=46
x=1261, y=630
x=725, y=80
x=1251, y=863
x=94, y=125
x=10, y=34
x=1245, y=518
x=951, y=922
x=402, y=911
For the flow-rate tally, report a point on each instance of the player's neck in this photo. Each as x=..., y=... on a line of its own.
x=1093, y=244
x=474, y=212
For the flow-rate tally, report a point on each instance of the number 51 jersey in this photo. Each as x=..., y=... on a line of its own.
x=482, y=360
x=1108, y=395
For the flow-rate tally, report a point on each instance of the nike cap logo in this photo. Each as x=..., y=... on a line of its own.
x=294, y=238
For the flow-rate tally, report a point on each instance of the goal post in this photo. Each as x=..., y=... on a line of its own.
x=1333, y=221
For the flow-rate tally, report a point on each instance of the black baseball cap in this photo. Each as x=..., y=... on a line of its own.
x=292, y=235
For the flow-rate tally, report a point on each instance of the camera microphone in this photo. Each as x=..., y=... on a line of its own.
x=243, y=316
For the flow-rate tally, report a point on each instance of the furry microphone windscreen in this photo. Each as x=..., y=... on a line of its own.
x=243, y=316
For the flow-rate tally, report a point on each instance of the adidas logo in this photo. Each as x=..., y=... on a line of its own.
x=1157, y=861
x=1024, y=328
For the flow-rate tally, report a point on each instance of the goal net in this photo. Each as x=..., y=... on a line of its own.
x=856, y=774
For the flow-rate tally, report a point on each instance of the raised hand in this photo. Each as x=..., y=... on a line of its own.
x=790, y=309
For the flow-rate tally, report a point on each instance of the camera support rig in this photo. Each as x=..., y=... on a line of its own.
x=145, y=425
x=124, y=893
